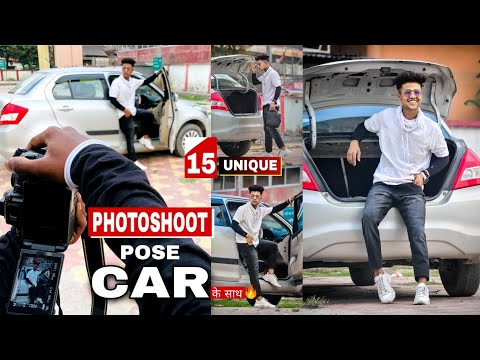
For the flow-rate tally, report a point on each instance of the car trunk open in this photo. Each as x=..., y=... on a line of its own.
x=233, y=82
x=240, y=102
x=353, y=182
x=339, y=96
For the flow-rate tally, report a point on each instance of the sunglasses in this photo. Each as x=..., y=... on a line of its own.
x=408, y=93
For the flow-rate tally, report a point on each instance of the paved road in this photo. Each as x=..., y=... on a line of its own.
x=346, y=298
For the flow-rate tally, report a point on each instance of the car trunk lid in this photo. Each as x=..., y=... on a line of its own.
x=370, y=82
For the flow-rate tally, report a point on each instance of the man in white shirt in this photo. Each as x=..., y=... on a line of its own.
x=32, y=280
x=407, y=140
x=271, y=89
x=247, y=223
x=122, y=96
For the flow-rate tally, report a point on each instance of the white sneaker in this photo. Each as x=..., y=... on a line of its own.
x=147, y=143
x=40, y=300
x=283, y=153
x=141, y=166
x=272, y=279
x=385, y=291
x=266, y=154
x=263, y=303
x=421, y=295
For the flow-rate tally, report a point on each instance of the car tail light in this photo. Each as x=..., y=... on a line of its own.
x=468, y=171
x=260, y=103
x=308, y=181
x=12, y=114
x=217, y=102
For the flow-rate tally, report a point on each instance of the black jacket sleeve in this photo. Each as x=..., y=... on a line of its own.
x=150, y=79
x=115, y=103
x=255, y=80
x=9, y=254
x=280, y=207
x=437, y=164
x=278, y=90
x=236, y=227
x=360, y=132
x=106, y=178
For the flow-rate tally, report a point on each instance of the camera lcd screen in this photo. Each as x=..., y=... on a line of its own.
x=35, y=288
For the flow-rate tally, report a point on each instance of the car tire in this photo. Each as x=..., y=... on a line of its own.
x=460, y=279
x=236, y=149
x=188, y=130
x=272, y=299
x=361, y=275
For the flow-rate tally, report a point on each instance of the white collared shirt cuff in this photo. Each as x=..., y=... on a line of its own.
x=68, y=164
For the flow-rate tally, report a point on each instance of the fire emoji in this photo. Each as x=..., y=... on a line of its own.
x=250, y=293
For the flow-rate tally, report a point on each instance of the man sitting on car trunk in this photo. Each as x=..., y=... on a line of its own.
x=407, y=140
x=247, y=224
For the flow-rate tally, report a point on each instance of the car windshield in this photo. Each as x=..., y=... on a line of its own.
x=28, y=84
x=344, y=119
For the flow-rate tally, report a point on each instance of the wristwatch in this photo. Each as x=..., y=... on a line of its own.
x=425, y=175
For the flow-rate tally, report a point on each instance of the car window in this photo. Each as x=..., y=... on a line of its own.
x=88, y=89
x=344, y=119
x=28, y=84
x=150, y=93
x=61, y=91
x=219, y=219
x=278, y=229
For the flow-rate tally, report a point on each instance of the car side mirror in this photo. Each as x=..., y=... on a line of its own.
x=174, y=96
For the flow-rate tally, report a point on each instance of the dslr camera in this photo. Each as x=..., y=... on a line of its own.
x=43, y=214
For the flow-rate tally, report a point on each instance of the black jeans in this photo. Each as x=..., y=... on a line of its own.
x=409, y=199
x=146, y=126
x=127, y=125
x=270, y=133
x=265, y=250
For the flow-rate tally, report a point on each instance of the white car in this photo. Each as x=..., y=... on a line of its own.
x=229, y=270
x=78, y=97
x=339, y=96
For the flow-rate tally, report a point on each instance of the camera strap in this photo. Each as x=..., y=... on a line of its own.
x=94, y=260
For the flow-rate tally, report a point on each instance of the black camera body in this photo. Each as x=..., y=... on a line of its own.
x=42, y=212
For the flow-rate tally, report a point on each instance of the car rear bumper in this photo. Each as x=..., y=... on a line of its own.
x=333, y=229
x=229, y=128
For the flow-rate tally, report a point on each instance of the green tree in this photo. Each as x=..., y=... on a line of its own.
x=476, y=99
x=25, y=54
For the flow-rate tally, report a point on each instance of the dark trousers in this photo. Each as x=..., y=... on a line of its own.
x=270, y=132
x=409, y=199
x=146, y=126
x=33, y=293
x=267, y=251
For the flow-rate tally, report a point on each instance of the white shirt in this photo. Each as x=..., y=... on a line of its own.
x=406, y=145
x=250, y=220
x=270, y=80
x=124, y=91
x=32, y=275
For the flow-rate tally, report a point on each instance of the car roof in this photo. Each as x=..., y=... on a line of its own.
x=85, y=69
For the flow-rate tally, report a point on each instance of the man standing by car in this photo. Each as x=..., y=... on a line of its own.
x=271, y=90
x=247, y=223
x=407, y=140
x=32, y=280
x=122, y=96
